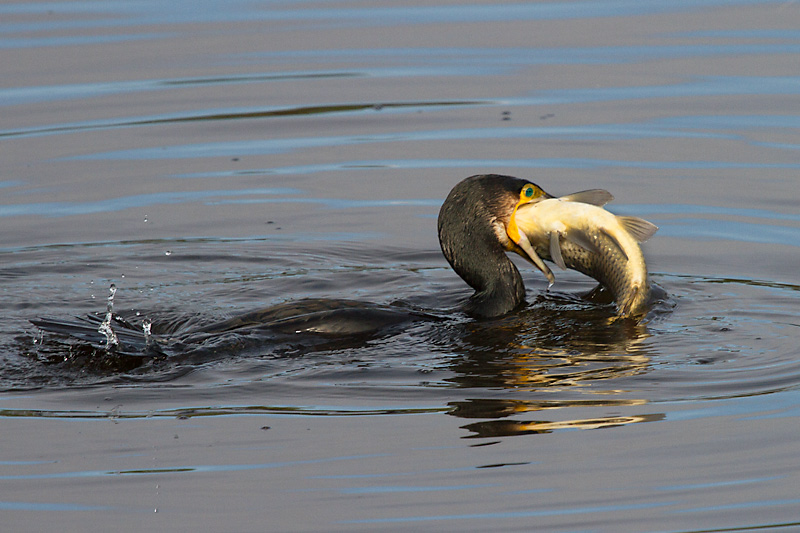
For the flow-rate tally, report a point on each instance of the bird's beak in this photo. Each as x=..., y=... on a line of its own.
x=523, y=246
x=513, y=231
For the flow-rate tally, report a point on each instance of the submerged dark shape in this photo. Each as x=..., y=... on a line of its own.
x=322, y=323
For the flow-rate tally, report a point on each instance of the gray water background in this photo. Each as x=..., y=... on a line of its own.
x=210, y=158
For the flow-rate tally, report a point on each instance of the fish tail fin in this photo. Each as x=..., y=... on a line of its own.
x=639, y=228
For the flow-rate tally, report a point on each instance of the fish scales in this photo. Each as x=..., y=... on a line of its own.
x=609, y=268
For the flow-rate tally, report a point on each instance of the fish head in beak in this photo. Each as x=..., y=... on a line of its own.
x=530, y=194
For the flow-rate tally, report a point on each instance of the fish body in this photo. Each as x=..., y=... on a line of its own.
x=575, y=232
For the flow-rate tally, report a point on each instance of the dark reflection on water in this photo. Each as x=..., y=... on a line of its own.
x=557, y=344
x=545, y=347
x=249, y=114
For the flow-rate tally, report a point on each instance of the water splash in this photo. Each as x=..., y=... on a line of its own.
x=105, y=327
x=148, y=338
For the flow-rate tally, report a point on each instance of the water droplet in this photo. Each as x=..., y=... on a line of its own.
x=146, y=328
x=39, y=338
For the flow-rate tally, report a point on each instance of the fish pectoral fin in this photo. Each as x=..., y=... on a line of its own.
x=614, y=242
x=598, y=197
x=555, y=250
x=640, y=229
x=533, y=257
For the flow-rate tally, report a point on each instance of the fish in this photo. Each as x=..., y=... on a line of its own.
x=576, y=232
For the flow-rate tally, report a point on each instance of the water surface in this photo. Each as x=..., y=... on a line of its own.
x=215, y=158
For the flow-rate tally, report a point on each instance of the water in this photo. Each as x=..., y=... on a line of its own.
x=216, y=158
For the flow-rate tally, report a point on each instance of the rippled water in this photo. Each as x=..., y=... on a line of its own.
x=215, y=158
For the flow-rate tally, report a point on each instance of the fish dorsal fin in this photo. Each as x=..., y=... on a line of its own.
x=640, y=229
x=598, y=197
x=555, y=250
x=613, y=240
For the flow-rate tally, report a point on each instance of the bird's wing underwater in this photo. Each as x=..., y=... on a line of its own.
x=598, y=197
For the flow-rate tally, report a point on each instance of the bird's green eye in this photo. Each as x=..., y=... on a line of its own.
x=529, y=192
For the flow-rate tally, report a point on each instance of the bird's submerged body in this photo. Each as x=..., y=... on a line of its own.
x=585, y=237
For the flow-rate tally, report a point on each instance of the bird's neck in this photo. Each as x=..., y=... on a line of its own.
x=496, y=294
x=478, y=258
x=471, y=232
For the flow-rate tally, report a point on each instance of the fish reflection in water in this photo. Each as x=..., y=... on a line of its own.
x=565, y=349
x=508, y=428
